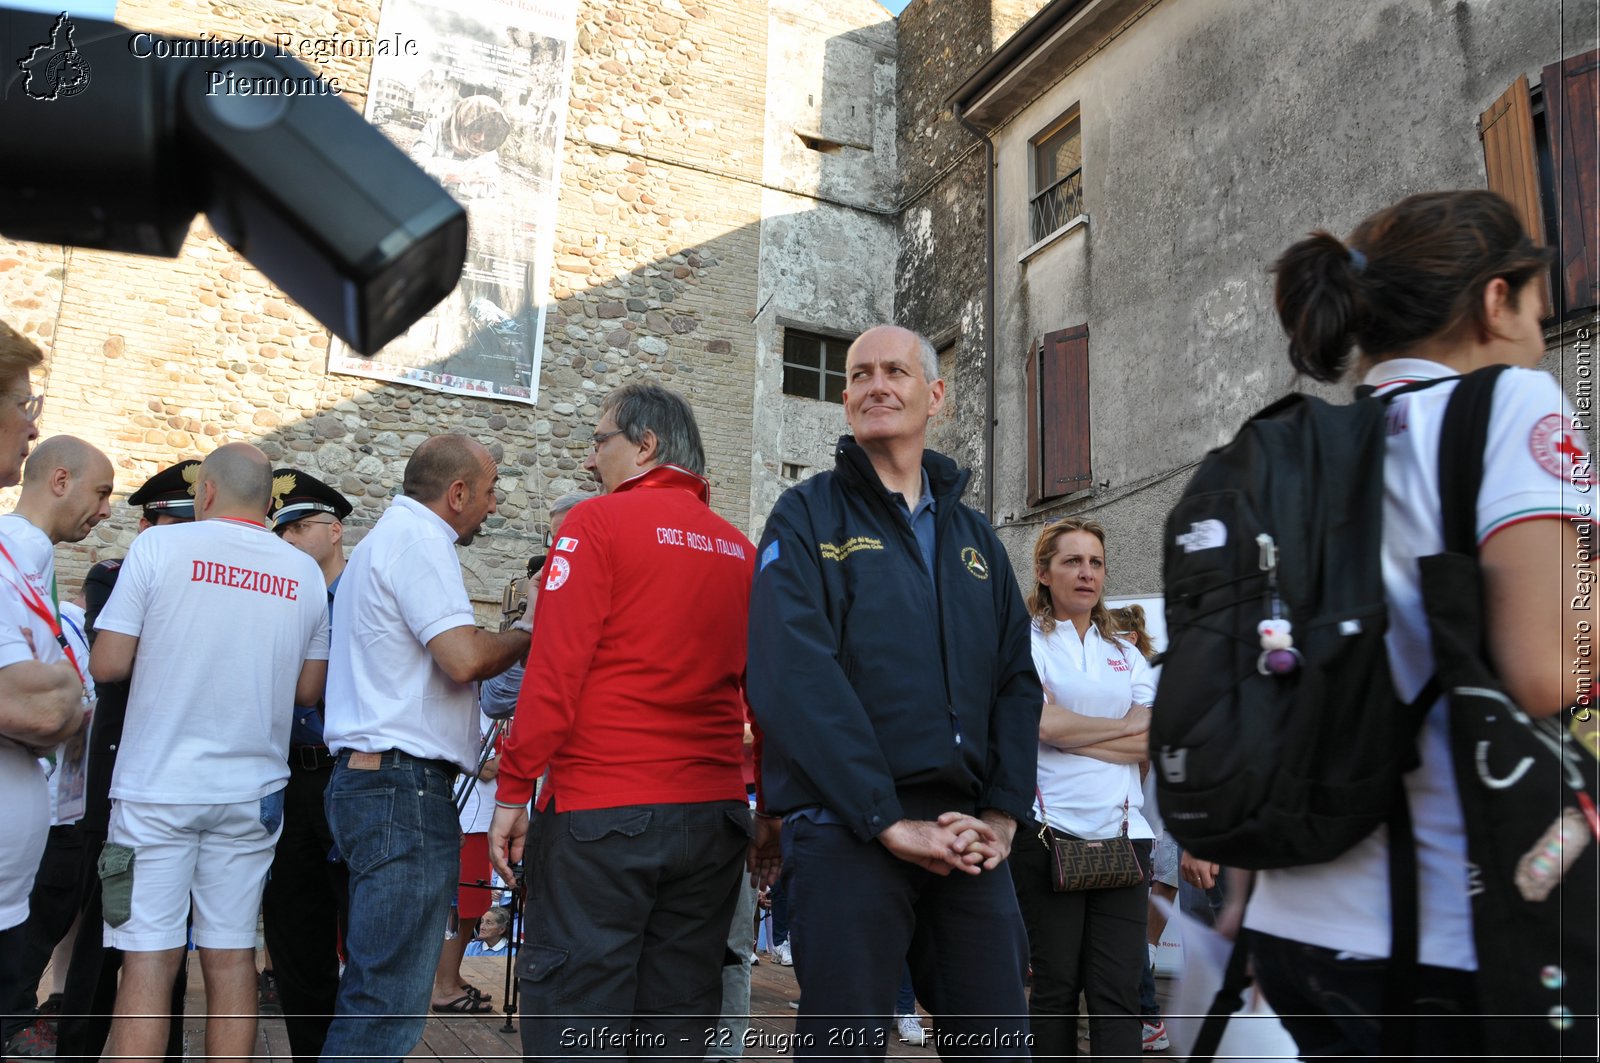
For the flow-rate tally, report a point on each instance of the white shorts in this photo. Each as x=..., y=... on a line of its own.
x=157, y=857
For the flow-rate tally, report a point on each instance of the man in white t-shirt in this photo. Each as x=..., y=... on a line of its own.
x=66, y=491
x=41, y=698
x=198, y=785
x=402, y=718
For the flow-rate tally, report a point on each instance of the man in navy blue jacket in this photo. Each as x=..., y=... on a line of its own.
x=891, y=675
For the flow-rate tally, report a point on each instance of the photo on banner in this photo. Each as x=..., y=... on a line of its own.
x=479, y=103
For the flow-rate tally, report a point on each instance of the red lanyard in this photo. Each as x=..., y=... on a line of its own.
x=35, y=603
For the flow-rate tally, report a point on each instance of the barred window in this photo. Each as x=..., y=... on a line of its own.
x=1057, y=177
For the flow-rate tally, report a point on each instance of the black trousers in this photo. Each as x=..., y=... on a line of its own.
x=859, y=915
x=12, y=1015
x=627, y=928
x=304, y=909
x=91, y=991
x=52, y=906
x=1090, y=942
x=1332, y=1006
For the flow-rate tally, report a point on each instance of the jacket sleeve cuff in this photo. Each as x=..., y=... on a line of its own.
x=878, y=817
x=1018, y=807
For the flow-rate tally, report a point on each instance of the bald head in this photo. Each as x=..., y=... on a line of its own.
x=453, y=476
x=62, y=452
x=66, y=488
x=234, y=481
x=440, y=462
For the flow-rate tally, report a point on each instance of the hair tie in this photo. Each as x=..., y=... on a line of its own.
x=1358, y=261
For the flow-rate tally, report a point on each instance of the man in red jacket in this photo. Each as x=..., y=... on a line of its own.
x=639, y=644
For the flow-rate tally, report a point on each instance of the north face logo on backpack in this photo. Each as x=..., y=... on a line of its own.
x=1203, y=535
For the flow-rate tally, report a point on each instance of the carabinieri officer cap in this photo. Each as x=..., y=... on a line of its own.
x=169, y=492
x=297, y=494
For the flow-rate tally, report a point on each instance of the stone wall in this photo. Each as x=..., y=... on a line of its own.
x=941, y=275
x=654, y=276
x=658, y=228
x=828, y=222
x=731, y=168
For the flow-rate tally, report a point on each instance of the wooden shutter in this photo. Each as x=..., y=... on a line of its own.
x=1063, y=414
x=1035, y=351
x=1506, y=129
x=1572, y=109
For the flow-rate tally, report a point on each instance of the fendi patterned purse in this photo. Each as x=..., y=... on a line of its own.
x=1090, y=863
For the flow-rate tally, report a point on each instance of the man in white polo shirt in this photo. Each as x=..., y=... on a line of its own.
x=228, y=626
x=65, y=492
x=41, y=693
x=401, y=715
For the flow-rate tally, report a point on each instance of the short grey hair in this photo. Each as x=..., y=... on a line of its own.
x=641, y=408
x=567, y=501
x=930, y=358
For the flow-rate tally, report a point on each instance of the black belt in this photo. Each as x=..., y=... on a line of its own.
x=310, y=758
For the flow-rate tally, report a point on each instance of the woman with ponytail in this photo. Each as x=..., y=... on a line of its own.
x=1432, y=287
x=1093, y=734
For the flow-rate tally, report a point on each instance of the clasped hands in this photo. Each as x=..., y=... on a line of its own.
x=956, y=841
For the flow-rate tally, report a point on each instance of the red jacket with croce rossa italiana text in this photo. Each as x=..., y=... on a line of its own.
x=634, y=682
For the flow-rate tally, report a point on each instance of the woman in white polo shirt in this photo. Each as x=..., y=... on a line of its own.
x=1433, y=287
x=1093, y=733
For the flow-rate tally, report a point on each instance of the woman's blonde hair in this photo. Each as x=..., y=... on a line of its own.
x=1129, y=624
x=18, y=355
x=1040, y=604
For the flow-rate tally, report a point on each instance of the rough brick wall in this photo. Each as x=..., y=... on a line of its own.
x=654, y=276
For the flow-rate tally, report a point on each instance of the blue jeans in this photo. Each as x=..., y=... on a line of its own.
x=396, y=827
x=734, y=1025
x=905, y=1003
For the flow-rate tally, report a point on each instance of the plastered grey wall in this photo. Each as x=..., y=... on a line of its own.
x=828, y=229
x=1216, y=132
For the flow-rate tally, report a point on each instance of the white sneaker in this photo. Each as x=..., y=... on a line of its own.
x=912, y=1032
x=784, y=955
x=1155, y=1037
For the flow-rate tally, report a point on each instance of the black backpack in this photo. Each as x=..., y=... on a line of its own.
x=1257, y=768
x=1527, y=787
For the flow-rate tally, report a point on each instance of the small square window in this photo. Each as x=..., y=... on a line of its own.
x=813, y=365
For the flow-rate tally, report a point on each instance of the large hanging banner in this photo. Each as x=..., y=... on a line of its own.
x=478, y=98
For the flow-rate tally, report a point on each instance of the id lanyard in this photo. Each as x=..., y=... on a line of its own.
x=35, y=604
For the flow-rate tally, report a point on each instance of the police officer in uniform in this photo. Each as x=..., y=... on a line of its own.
x=91, y=989
x=307, y=895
